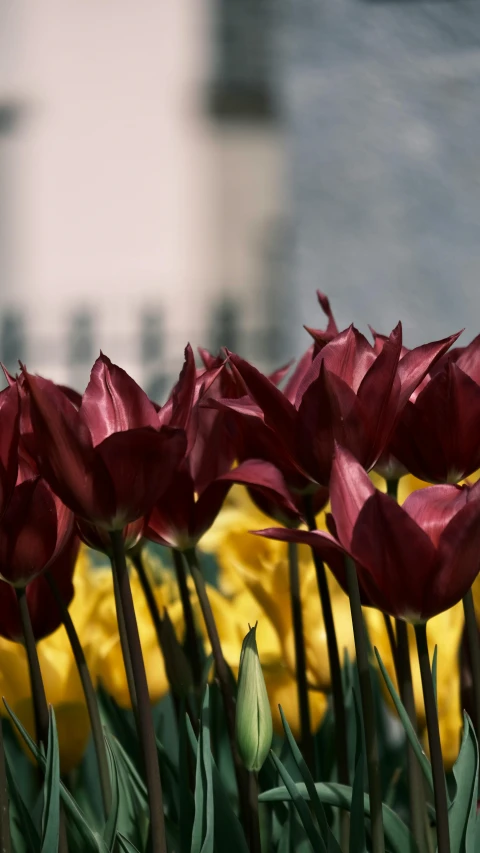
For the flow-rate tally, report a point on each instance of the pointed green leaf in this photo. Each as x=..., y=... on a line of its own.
x=398, y=836
x=313, y=833
x=358, y=839
x=327, y=835
x=187, y=805
x=110, y=829
x=51, y=809
x=407, y=725
x=30, y=834
x=203, y=824
x=463, y=811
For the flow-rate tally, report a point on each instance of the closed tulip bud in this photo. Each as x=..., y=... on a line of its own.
x=253, y=728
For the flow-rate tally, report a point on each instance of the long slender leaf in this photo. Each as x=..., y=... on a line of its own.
x=358, y=839
x=399, y=838
x=203, y=824
x=93, y=843
x=407, y=725
x=51, y=809
x=313, y=833
x=187, y=805
x=110, y=829
x=31, y=836
x=318, y=810
x=463, y=811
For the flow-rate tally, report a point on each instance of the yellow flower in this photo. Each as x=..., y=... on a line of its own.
x=443, y=631
x=232, y=617
x=101, y=640
x=261, y=566
x=62, y=683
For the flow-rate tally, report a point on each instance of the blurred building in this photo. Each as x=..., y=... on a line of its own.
x=142, y=187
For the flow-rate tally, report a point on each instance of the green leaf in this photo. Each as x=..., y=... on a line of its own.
x=92, y=843
x=327, y=835
x=358, y=840
x=123, y=845
x=187, y=806
x=51, y=809
x=227, y=826
x=407, y=725
x=298, y=799
x=463, y=811
x=203, y=824
x=133, y=814
x=110, y=829
x=30, y=836
x=397, y=834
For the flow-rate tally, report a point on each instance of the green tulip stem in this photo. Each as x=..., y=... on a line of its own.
x=368, y=708
x=341, y=738
x=191, y=639
x=306, y=737
x=40, y=707
x=145, y=728
x=474, y=652
x=439, y=785
x=122, y=633
x=253, y=791
x=224, y=680
x=403, y=670
x=416, y=790
x=90, y=696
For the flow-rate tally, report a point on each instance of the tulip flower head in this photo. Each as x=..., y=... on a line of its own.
x=413, y=561
x=253, y=718
x=111, y=459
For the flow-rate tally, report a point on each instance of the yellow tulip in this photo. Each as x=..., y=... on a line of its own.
x=443, y=631
x=261, y=566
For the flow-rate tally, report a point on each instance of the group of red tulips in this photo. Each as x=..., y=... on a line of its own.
x=112, y=467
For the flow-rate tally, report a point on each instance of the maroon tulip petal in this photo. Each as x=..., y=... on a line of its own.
x=329, y=549
x=416, y=363
x=278, y=412
x=434, y=507
x=66, y=457
x=140, y=464
x=379, y=394
x=113, y=402
x=99, y=539
x=314, y=440
x=208, y=506
x=458, y=560
x=349, y=356
x=9, y=435
x=436, y=438
x=468, y=359
x=28, y=532
x=350, y=488
x=277, y=375
x=184, y=391
x=267, y=479
x=297, y=377
x=173, y=516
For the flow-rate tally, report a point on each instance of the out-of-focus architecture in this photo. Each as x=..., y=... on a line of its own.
x=141, y=183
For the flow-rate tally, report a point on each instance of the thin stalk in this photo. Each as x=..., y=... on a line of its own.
x=368, y=708
x=300, y=657
x=439, y=785
x=416, y=791
x=40, y=707
x=474, y=653
x=39, y=699
x=122, y=633
x=341, y=738
x=146, y=731
x=191, y=638
x=5, y=838
x=401, y=658
x=90, y=697
x=255, y=840
x=392, y=641
x=223, y=676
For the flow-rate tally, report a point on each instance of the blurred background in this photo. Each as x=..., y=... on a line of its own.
x=194, y=170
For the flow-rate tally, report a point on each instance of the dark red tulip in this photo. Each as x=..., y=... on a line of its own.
x=111, y=459
x=9, y=436
x=99, y=539
x=33, y=530
x=44, y=613
x=181, y=517
x=437, y=435
x=350, y=394
x=413, y=561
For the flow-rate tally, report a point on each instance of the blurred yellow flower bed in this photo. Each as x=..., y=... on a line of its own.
x=253, y=587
